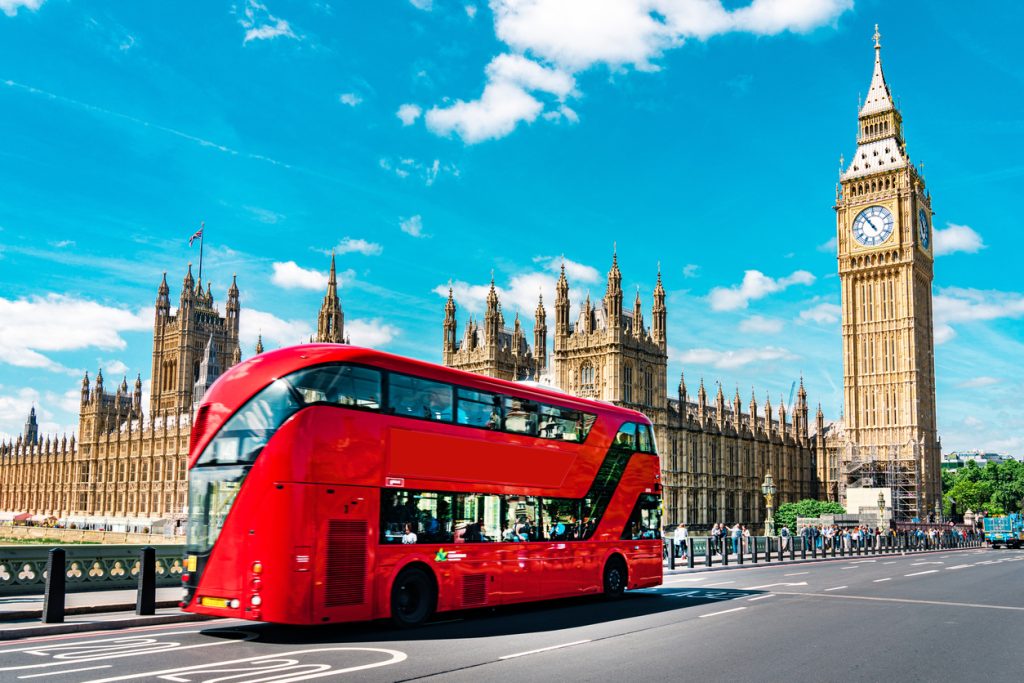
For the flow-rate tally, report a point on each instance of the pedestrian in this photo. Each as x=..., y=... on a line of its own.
x=734, y=536
x=679, y=540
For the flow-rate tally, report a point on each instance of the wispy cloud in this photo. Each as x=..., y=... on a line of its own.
x=956, y=238
x=755, y=285
x=10, y=7
x=731, y=358
x=978, y=382
x=408, y=113
x=691, y=270
x=574, y=271
x=350, y=245
x=413, y=226
x=350, y=99
x=955, y=305
x=260, y=24
x=757, y=324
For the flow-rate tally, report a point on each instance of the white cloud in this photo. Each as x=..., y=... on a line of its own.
x=264, y=215
x=428, y=172
x=824, y=313
x=828, y=247
x=260, y=24
x=755, y=285
x=413, y=226
x=425, y=5
x=292, y=276
x=38, y=324
x=728, y=360
x=373, y=333
x=978, y=382
x=470, y=11
x=506, y=100
x=408, y=113
x=360, y=246
x=565, y=37
x=957, y=238
x=113, y=367
x=953, y=305
x=62, y=244
x=351, y=99
x=10, y=7
x=757, y=324
x=971, y=421
x=276, y=331
x=574, y=271
x=691, y=270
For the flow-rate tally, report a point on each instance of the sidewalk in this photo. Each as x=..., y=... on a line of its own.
x=106, y=621
x=22, y=607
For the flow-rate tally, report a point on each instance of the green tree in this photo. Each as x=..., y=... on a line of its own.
x=788, y=512
x=995, y=488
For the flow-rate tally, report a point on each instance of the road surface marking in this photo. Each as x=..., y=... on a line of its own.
x=930, y=571
x=848, y=567
x=715, y=614
x=769, y=585
x=796, y=573
x=905, y=600
x=688, y=578
x=961, y=566
x=276, y=660
x=892, y=562
x=761, y=597
x=916, y=564
x=69, y=671
x=881, y=580
x=544, y=649
x=717, y=583
x=863, y=561
x=837, y=588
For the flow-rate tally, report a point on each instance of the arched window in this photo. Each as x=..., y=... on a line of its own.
x=587, y=377
x=627, y=383
x=648, y=387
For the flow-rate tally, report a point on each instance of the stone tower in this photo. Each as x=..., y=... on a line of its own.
x=209, y=371
x=610, y=354
x=330, y=324
x=884, y=239
x=180, y=339
x=31, y=432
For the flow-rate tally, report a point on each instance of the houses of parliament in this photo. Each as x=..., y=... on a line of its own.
x=715, y=451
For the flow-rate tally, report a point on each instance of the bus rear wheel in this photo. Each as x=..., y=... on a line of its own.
x=615, y=575
x=413, y=598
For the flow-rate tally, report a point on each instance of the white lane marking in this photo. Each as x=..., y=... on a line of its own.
x=905, y=600
x=881, y=580
x=688, y=578
x=837, y=588
x=69, y=671
x=544, y=649
x=726, y=611
x=849, y=567
x=270, y=660
x=717, y=583
x=796, y=573
x=863, y=561
x=761, y=597
x=930, y=571
x=917, y=564
x=961, y=566
x=769, y=585
x=892, y=562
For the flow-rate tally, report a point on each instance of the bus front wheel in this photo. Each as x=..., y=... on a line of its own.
x=413, y=597
x=615, y=575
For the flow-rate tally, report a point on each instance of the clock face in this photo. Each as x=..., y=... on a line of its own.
x=922, y=228
x=872, y=226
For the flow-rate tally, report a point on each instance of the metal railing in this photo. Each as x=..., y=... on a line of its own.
x=703, y=551
x=23, y=570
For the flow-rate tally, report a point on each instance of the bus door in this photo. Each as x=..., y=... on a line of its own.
x=561, y=575
x=341, y=564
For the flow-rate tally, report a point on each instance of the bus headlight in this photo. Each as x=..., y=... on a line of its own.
x=256, y=601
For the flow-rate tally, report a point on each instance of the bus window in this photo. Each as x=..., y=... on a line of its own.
x=519, y=519
x=344, y=385
x=242, y=438
x=479, y=409
x=425, y=514
x=645, y=522
x=520, y=416
x=626, y=438
x=477, y=517
x=416, y=397
x=561, y=517
x=645, y=439
x=562, y=423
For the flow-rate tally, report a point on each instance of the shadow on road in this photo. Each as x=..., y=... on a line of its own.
x=537, y=617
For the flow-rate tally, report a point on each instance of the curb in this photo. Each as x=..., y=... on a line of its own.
x=85, y=626
x=699, y=569
x=81, y=609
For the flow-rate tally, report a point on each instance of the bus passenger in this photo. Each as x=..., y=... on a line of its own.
x=409, y=537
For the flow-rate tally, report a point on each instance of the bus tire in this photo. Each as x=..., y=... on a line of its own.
x=615, y=577
x=413, y=597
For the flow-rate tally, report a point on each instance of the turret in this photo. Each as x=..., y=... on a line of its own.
x=85, y=388
x=233, y=307
x=137, y=394
x=736, y=405
x=330, y=327
x=517, y=336
x=31, y=427
x=236, y=355
x=658, y=322
x=561, y=308
x=720, y=403
x=638, y=316
x=613, y=295
x=491, y=323
x=450, y=327
x=682, y=392
x=540, y=337
x=186, y=288
x=163, y=301
x=702, y=399
x=752, y=409
x=259, y=344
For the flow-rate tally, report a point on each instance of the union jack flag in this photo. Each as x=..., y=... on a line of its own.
x=197, y=235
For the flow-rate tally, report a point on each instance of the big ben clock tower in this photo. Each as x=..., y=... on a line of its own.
x=884, y=240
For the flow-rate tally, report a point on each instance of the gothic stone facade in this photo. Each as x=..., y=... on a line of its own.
x=888, y=435
x=714, y=457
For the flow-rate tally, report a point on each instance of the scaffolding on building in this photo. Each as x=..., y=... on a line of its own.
x=896, y=467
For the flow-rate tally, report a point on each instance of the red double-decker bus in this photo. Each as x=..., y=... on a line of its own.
x=331, y=483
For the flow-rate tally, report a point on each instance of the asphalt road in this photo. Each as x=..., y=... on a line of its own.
x=942, y=616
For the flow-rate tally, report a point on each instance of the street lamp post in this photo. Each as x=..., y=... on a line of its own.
x=768, y=489
x=881, y=508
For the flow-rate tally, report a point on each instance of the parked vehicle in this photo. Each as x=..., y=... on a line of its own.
x=1005, y=530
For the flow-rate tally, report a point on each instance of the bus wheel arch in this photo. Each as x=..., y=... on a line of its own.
x=615, y=576
x=413, y=595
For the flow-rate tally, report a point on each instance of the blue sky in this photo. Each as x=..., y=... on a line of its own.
x=436, y=141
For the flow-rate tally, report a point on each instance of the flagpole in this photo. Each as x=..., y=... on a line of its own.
x=202, y=224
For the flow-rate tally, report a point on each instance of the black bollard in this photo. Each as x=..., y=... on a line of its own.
x=739, y=549
x=707, y=552
x=781, y=550
x=725, y=551
x=53, y=598
x=753, y=549
x=767, y=549
x=145, y=599
x=689, y=553
x=814, y=549
x=670, y=547
x=803, y=548
x=792, y=547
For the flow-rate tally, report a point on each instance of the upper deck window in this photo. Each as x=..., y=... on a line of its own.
x=626, y=438
x=417, y=397
x=479, y=409
x=345, y=385
x=521, y=416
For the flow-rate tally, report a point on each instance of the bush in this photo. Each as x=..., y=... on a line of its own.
x=788, y=512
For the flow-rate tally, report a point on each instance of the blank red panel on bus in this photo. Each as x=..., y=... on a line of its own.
x=414, y=454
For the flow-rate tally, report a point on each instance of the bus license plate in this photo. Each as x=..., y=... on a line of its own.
x=190, y=563
x=213, y=602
